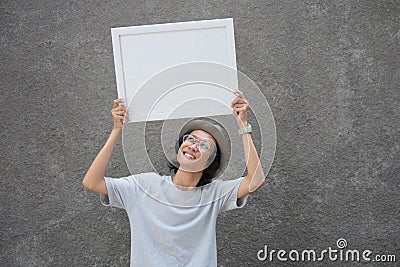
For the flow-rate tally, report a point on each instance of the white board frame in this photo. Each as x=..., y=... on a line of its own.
x=119, y=33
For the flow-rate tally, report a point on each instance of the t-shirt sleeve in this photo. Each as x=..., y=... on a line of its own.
x=229, y=190
x=121, y=192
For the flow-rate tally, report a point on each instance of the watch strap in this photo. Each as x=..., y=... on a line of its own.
x=245, y=130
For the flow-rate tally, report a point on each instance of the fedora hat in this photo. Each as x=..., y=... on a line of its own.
x=217, y=131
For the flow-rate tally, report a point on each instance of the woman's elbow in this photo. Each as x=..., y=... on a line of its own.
x=97, y=186
x=255, y=187
x=86, y=184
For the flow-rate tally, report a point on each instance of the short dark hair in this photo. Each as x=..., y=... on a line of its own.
x=208, y=173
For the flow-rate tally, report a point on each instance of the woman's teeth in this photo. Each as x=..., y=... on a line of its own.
x=188, y=155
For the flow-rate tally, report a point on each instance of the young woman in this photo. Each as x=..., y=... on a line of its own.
x=173, y=218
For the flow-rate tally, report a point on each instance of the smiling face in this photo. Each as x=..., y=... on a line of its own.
x=197, y=152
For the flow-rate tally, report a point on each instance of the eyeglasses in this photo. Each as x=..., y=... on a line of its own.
x=201, y=144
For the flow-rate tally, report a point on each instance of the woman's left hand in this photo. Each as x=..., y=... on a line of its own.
x=240, y=106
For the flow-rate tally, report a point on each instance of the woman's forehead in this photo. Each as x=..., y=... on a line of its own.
x=200, y=134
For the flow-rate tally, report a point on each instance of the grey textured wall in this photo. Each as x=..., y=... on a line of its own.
x=329, y=69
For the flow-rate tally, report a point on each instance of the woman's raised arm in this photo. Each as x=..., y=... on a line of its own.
x=94, y=178
x=255, y=175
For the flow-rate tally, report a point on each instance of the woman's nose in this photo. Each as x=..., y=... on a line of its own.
x=193, y=147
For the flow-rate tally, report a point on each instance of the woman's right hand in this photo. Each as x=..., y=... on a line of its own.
x=119, y=114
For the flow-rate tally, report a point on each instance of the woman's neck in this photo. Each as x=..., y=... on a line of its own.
x=186, y=180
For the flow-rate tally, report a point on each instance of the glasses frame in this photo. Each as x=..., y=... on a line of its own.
x=197, y=142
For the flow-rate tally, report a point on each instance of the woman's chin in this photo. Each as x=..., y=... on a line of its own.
x=190, y=165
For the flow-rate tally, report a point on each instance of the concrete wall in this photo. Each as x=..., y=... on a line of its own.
x=329, y=69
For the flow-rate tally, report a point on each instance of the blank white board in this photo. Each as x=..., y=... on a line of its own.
x=176, y=70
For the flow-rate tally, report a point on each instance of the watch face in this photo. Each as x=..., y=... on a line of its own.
x=249, y=128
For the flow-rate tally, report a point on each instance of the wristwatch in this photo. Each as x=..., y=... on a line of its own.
x=245, y=130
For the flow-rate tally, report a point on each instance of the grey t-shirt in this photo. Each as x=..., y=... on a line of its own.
x=171, y=226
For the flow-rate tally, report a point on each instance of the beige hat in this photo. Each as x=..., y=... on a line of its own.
x=218, y=132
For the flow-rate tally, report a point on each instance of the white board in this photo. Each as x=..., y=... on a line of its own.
x=176, y=70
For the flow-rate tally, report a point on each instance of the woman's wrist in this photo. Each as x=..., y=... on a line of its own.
x=242, y=124
x=116, y=130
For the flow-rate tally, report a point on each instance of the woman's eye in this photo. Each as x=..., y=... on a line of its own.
x=204, y=145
